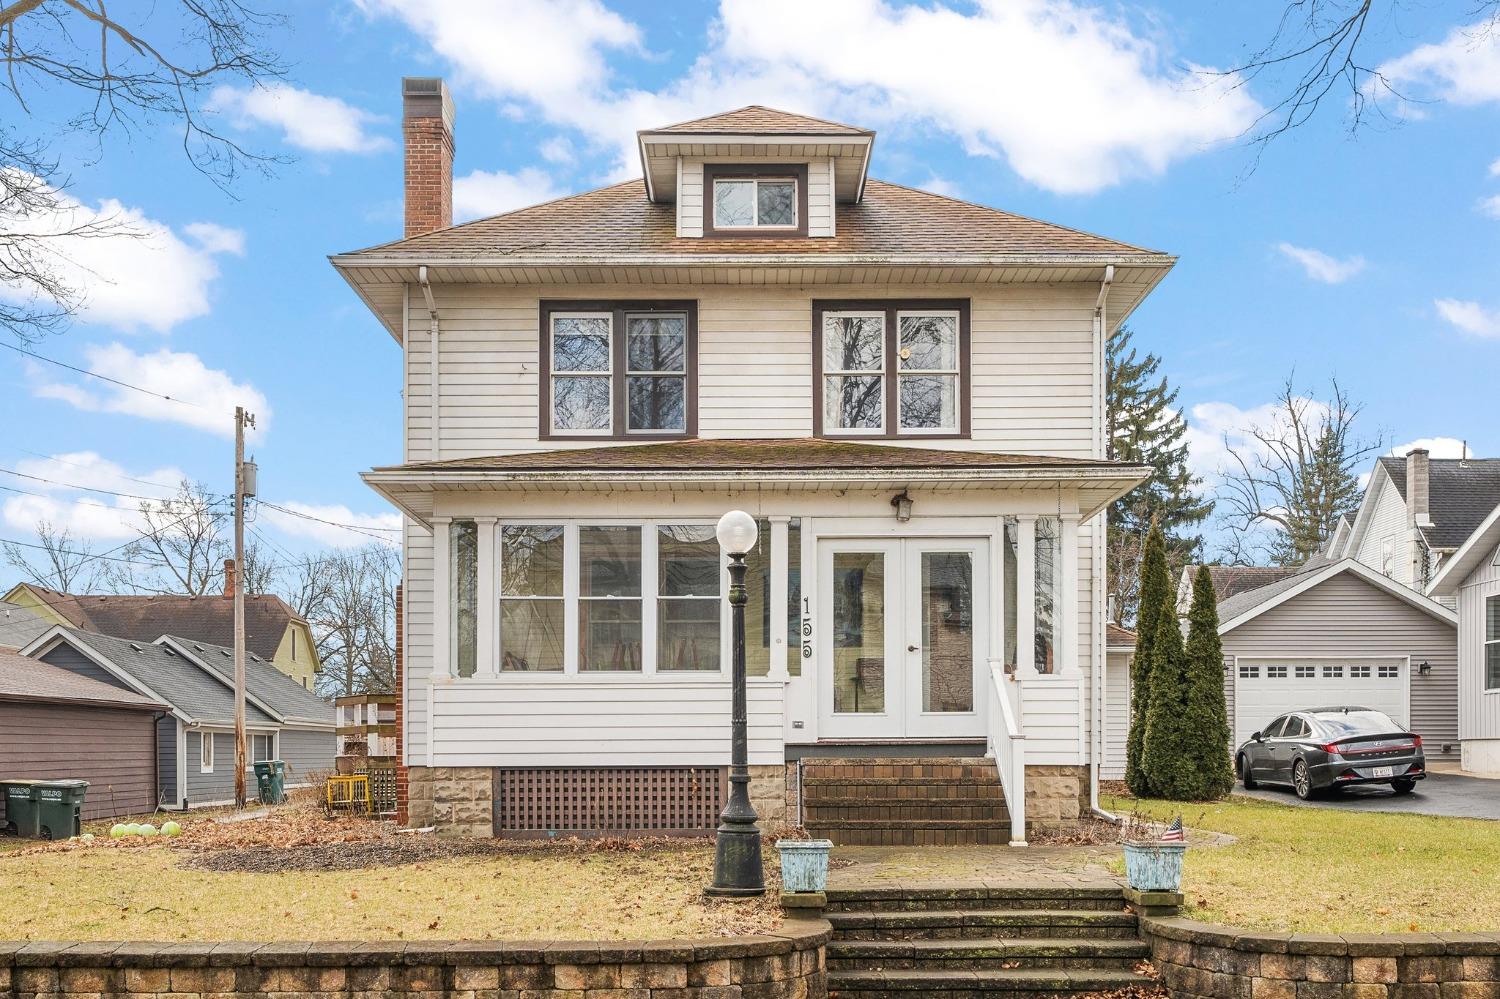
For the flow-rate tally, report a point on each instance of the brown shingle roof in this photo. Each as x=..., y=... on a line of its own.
x=1114, y=635
x=1231, y=580
x=757, y=118
x=621, y=221
x=776, y=455
x=25, y=679
x=208, y=619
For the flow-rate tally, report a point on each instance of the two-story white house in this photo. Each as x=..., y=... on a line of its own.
x=906, y=391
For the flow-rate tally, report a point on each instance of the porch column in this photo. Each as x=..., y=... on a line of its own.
x=1068, y=583
x=442, y=597
x=486, y=625
x=776, y=613
x=1025, y=596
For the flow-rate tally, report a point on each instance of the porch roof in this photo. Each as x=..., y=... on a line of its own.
x=761, y=465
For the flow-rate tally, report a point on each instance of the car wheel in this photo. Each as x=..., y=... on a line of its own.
x=1302, y=780
x=1403, y=785
x=1243, y=766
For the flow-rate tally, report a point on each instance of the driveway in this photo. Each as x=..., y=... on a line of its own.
x=1440, y=794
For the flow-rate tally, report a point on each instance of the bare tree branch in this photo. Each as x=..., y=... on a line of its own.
x=65, y=563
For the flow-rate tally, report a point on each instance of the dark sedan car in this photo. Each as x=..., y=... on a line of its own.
x=1326, y=748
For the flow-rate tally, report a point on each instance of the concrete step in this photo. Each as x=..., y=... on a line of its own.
x=992, y=953
x=983, y=924
x=1016, y=983
x=1099, y=898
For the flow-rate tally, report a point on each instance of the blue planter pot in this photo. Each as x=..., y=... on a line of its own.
x=804, y=864
x=1154, y=866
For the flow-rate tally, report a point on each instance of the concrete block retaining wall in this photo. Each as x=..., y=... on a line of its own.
x=785, y=964
x=1206, y=961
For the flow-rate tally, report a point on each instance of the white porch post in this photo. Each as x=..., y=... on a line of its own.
x=1068, y=583
x=442, y=598
x=1025, y=596
x=776, y=613
x=486, y=650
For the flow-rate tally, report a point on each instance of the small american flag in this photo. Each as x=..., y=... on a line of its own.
x=1174, y=833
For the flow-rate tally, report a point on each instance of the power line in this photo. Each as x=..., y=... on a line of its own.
x=75, y=464
x=95, y=489
x=357, y=529
x=105, y=378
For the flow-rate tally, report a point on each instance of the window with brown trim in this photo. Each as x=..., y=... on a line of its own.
x=618, y=370
x=754, y=200
x=891, y=368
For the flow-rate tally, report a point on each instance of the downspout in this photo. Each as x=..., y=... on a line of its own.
x=436, y=448
x=1101, y=571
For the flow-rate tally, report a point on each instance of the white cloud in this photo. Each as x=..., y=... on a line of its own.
x=88, y=516
x=307, y=120
x=134, y=271
x=1320, y=266
x=1068, y=94
x=371, y=526
x=1463, y=68
x=207, y=396
x=1495, y=168
x=557, y=150
x=1490, y=206
x=483, y=193
x=1437, y=447
x=1470, y=317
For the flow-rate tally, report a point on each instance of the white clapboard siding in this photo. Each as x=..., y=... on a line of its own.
x=1032, y=375
x=820, y=199
x=1116, y=716
x=416, y=596
x=1479, y=710
x=1051, y=719
x=571, y=721
x=690, y=198
x=1387, y=523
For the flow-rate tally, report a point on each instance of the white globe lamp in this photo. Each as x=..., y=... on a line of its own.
x=737, y=532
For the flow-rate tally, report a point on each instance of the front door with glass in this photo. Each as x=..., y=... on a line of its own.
x=901, y=650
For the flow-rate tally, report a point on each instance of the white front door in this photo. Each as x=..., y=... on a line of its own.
x=902, y=638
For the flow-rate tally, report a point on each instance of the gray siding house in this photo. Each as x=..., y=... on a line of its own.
x=1471, y=578
x=194, y=742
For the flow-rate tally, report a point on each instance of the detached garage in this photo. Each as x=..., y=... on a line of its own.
x=55, y=724
x=1341, y=633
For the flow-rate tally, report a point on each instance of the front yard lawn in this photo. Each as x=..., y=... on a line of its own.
x=297, y=876
x=1316, y=870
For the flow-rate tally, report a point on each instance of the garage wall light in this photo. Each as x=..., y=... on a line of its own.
x=1424, y=668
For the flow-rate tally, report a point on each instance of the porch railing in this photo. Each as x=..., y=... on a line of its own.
x=1007, y=744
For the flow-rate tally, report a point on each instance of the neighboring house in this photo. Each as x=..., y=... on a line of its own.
x=1470, y=577
x=905, y=389
x=366, y=724
x=1341, y=633
x=1119, y=652
x=1229, y=581
x=195, y=740
x=19, y=626
x=1417, y=511
x=273, y=631
x=56, y=724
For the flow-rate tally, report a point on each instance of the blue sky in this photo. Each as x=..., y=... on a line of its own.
x=1370, y=257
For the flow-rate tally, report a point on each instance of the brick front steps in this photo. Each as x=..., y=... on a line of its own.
x=904, y=802
x=1019, y=942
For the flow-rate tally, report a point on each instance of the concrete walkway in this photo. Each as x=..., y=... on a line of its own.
x=971, y=866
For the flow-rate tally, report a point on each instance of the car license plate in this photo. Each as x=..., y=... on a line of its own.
x=1383, y=771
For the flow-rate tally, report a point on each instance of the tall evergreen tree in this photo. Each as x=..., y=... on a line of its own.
x=1205, y=730
x=1167, y=770
x=1145, y=427
x=1156, y=594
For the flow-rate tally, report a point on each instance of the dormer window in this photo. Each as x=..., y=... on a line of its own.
x=762, y=199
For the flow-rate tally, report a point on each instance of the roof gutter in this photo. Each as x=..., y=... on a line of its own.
x=362, y=260
x=432, y=340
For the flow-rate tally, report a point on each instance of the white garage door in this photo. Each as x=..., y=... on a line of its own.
x=1265, y=688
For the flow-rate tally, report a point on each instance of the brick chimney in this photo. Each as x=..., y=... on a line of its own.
x=1417, y=514
x=231, y=578
x=427, y=130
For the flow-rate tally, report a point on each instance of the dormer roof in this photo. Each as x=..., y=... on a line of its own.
x=756, y=133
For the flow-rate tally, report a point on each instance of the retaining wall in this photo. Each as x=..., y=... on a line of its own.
x=784, y=964
x=1207, y=961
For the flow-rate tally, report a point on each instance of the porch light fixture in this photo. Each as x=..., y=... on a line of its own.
x=1424, y=669
x=902, y=502
x=737, y=865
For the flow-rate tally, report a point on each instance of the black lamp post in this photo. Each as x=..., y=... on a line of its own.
x=737, y=866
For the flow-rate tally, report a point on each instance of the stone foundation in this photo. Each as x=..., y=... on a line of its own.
x=1056, y=796
x=781, y=964
x=768, y=795
x=459, y=801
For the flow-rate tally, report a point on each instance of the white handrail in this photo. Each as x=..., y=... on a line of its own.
x=1008, y=746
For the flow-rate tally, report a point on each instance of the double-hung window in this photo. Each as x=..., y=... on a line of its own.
x=891, y=369
x=618, y=370
x=754, y=200
x=205, y=752
x=1492, y=643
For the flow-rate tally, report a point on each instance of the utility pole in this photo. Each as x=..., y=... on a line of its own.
x=242, y=489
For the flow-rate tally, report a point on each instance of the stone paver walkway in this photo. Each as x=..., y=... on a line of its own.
x=971, y=866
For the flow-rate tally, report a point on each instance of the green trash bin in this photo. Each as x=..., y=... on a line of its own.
x=270, y=781
x=59, y=807
x=20, y=809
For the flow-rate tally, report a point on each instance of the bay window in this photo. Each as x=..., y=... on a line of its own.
x=618, y=370
x=891, y=369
